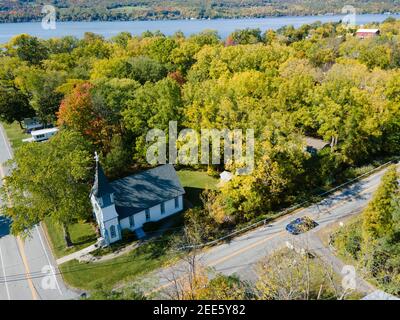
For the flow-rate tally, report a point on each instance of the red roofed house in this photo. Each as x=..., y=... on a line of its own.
x=367, y=33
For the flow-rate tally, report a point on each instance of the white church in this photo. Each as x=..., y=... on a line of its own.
x=130, y=202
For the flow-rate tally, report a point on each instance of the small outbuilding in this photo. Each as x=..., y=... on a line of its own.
x=367, y=33
x=31, y=124
x=224, y=177
x=313, y=145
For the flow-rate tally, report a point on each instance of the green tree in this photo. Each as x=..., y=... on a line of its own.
x=56, y=185
x=62, y=45
x=246, y=36
x=141, y=69
x=160, y=49
x=27, y=48
x=206, y=37
x=183, y=57
x=93, y=45
x=378, y=216
x=122, y=38
x=111, y=97
x=117, y=160
x=14, y=106
x=279, y=168
x=153, y=106
x=41, y=88
x=145, y=69
x=373, y=240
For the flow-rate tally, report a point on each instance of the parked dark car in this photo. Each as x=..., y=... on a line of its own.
x=301, y=225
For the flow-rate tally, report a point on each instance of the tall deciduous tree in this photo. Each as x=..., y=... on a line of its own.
x=41, y=88
x=49, y=180
x=154, y=106
x=377, y=217
x=27, y=48
x=77, y=112
x=14, y=104
x=246, y=36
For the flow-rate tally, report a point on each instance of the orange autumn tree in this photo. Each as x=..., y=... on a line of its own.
x=229, y=41
x=77, y=112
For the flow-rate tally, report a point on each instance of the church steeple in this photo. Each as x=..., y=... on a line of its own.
x=101, y=187
x=102, y=199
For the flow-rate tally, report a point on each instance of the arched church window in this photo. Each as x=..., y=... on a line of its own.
x=112, y=232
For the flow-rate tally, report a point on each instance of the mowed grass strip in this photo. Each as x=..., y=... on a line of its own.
x=82, y=236
x=195, y=182
x=197, y=179
x=15, y=134
x=88, y=276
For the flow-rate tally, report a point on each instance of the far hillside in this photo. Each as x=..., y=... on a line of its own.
x=108, y=10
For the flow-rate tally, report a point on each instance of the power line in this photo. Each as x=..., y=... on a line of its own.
x=285, y=211
x=39, y=274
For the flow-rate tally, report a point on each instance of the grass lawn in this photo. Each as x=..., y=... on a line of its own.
x=197, y=179
x=194, y=183
x=128, y=267
x=15, y=134
x=82, y=235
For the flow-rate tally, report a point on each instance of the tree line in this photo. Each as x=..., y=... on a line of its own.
x=373, y=239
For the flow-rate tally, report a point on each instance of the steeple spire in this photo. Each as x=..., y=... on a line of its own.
x=101, y=187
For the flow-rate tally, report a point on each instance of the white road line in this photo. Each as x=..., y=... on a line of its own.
x=5, y=141
x=4, y=273
x=1, y=253
x=48, y=259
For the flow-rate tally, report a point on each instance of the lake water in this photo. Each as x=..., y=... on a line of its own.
x=168, y=27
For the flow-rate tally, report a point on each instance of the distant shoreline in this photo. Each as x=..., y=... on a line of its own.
x=39, y=19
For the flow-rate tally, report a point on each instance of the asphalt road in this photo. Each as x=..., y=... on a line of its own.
x=241, y=255
x=27, y=268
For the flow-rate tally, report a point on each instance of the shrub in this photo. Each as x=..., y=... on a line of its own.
x=128, y=235
x=151, y=226
x=348, y=240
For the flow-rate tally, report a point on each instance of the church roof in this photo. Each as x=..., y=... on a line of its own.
x=146, y=189
x=101, y=185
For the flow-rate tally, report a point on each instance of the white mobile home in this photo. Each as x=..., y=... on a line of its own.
x=41, y=135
